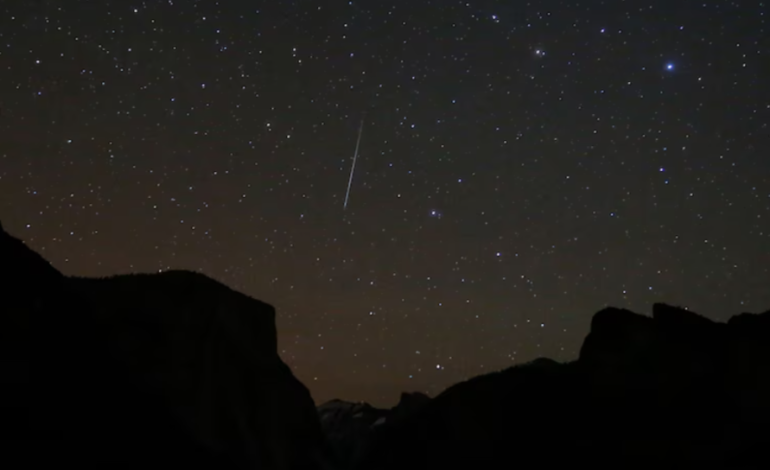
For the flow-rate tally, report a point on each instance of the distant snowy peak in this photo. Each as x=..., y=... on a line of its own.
x=340, y=410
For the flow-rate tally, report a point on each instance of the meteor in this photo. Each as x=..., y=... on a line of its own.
x=353, y=167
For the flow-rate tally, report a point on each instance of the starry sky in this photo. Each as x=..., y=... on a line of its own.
x=521, y=166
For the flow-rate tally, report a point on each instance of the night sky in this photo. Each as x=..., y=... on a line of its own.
x=522, y=165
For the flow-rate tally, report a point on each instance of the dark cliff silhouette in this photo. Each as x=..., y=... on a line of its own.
x=672, y=391
x=164, y=370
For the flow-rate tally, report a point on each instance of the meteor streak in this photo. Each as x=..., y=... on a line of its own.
x=353, y=167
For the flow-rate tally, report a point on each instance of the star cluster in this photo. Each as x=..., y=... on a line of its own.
x=522, y=165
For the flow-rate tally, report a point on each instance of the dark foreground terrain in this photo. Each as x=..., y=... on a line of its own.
x=170, y=370
x=672, y=391
x=175, y=370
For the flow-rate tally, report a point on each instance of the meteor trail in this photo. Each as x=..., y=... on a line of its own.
x=353, y=167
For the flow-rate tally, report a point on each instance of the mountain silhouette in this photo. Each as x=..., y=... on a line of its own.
x=176, y=370
x=171, y=369
x=673, y=390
